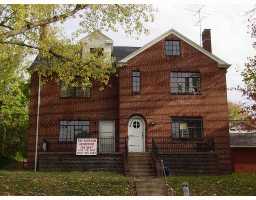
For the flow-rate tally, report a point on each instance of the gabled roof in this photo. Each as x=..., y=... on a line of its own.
x=120, y=52
x=97, y=34
x=222, y=63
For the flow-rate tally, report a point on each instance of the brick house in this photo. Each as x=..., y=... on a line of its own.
x=171, y=90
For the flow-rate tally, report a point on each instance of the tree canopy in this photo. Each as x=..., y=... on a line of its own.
x=249, y=72
x=29, y=29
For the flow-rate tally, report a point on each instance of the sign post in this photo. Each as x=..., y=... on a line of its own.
x=86, y=146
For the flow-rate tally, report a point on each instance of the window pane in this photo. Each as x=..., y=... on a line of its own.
x=97, y=51
x=70, y=130
x=70, y=91
x=185, y=83
x=172, y=48
x=187, y=128
x=135, y=81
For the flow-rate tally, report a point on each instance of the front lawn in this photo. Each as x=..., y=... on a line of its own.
x=63, y=183
x=229, y=185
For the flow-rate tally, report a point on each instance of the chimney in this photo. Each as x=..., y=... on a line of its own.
x=206, y=40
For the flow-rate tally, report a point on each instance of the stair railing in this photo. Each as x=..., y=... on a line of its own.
x=159, y=165
x=156, y=158
x=125, y=155
x=164, y=172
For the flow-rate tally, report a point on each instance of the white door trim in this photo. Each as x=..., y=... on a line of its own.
x=143, y=124
x=114, y=132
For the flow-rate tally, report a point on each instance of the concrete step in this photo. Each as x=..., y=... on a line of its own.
x=139, y=165
x=139, y=159
x=139, y=153
x=151, y=186
x=150, y=190
x=151, y=171
x=140, y=174
x=138, y=168
x=139, y=156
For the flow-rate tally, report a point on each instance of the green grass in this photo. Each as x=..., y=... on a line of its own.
x=63, y=183
x=108, y=183
x=236, y=184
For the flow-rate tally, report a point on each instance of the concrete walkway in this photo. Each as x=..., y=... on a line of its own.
x=151, y=186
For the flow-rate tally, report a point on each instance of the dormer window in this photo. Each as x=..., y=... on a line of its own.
x=172, y=48
x=97, y=51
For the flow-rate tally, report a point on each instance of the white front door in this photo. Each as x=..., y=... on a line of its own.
x=136, y=134
x=106, y=136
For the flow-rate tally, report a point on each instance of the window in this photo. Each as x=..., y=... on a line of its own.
x=67, y=91
x=187, y=128
x=172, y=48
x=97, y=51
x=71, y=130
x=136, y=82
x=185, y=82
x=136, y=124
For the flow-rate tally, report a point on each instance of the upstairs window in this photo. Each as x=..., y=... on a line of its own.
x=71, y=91
x=71, y=130
x=172, y=48
x=135, y=82
x=185, y=82
x=97, y=51
x=187, y=128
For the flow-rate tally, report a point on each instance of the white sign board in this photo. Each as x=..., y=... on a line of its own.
x=86, y=146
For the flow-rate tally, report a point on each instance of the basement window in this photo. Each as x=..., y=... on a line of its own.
x=71, y=130
x=187, y=128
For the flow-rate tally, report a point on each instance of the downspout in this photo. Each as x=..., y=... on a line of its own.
x=37, y=120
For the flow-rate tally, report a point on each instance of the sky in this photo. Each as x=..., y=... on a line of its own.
x=228, y=22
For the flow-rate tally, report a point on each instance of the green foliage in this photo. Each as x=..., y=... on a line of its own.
x=28, y=30
x=63, y=183
x=235, y=112
x=249, y=72
x=13, y=116
x=229, y=185
x=36, y=28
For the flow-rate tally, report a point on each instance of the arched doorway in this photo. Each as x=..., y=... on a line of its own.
x=136, y=134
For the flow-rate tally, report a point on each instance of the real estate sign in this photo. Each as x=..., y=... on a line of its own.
x=86, y=146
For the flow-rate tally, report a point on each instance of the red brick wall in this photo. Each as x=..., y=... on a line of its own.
x=243, y=159
x=157, y=105
x=102, y=105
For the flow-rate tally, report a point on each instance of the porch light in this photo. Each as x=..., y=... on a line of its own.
x=152, y=123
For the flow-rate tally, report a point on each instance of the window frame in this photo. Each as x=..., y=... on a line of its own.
x=199, y=92
x=187, y=119
x=171, y=48
x=73, y=138
x=98, y=51
x=132, y=82
x=75, y=91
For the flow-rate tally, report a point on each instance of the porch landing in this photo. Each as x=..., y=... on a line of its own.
x=68, y=161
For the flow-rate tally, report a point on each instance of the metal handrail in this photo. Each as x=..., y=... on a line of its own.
x=161, y=172
x=164, y=173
